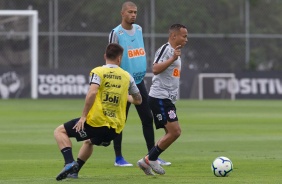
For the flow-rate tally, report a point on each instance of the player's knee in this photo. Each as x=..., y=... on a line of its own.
x=176, y=133
x=88, y=142
x=59, y=130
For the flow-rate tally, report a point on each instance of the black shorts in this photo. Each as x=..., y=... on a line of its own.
x=163, y=111
x=98, y=135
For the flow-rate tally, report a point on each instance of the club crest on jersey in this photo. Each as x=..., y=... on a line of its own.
x=132, y=53
x=172, y=114
x=120, y=32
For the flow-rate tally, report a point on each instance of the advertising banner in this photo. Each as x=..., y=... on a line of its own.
x=63, y=83
x=15, y=83
x=244, y=85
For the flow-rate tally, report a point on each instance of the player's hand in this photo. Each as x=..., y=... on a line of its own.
x=79, y=125
x=177, y=52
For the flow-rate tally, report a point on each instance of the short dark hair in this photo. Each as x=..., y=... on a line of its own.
x=176, y=27
x=113, y=51
x=127, y=3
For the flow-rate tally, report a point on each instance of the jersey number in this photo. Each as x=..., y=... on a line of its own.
x=176, y=72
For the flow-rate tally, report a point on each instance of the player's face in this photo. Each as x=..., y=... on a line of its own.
x=182, y=37
x=129, y=14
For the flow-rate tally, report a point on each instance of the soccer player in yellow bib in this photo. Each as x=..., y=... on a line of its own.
x=104, y=113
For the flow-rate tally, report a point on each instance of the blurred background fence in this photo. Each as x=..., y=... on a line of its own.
x=224, y=35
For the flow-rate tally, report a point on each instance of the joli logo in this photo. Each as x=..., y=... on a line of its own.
x=111, y=98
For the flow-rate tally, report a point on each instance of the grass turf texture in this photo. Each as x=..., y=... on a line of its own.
x=247, y=132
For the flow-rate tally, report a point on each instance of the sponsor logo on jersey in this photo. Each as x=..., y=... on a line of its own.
x=112, y=76
x=109, y=113
x=111, y=98
x=108, y=85
x=132, y=53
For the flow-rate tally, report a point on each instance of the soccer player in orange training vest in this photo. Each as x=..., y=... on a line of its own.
x=163, y=94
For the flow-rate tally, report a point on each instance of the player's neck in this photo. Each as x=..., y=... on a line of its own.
x=173, y=45
x=126, y=26
x=112, y=62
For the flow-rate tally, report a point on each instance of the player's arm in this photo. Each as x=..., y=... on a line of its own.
x=113, y=37
x=134, y=94
x=89, y=100
x=159, y=67
x=135, y=99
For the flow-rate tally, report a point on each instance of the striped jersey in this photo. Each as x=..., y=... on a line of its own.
x=109, y=108
x=165, y=85
x=134, y=56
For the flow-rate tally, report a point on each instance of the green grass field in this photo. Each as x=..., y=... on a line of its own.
x=248, y=132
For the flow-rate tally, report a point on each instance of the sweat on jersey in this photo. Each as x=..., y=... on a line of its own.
x=165, y=85
x=134, y=56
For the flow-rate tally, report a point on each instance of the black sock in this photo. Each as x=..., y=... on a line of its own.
x=67, y=153
x=148, y=132
x=80, y=164
x=154, y=153
x=117, y=145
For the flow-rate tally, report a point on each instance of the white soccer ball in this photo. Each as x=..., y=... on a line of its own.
x=222, y=166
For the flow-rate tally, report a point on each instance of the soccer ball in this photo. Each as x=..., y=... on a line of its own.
x=222, y=166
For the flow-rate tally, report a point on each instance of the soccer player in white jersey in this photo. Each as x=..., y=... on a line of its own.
x=163, y=94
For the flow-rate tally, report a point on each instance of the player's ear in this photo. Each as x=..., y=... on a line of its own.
x=119, y=59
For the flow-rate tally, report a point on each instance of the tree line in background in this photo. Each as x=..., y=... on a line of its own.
x=217, y=30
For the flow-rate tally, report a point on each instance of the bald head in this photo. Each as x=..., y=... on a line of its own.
x=127, y=4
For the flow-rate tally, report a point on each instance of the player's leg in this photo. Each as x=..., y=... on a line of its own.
x=86, y=150
x=99, y=136
x=145, y=114
x=146, y=117
x=173, y=131
x=84, y=153
x=165, y=117
x=164, y=112
x=62, y=135
x=120, y=161
x=158, y=108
